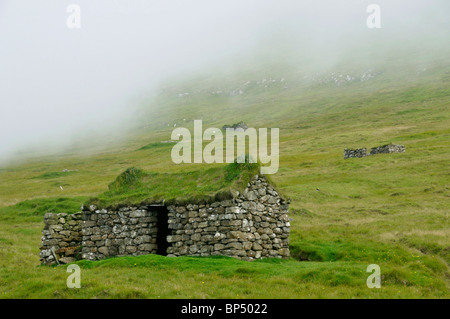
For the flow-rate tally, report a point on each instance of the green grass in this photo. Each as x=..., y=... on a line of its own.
x=155, y=145
x=33, y=210
x=51, y=175
x=135, y=186
x=389, y=209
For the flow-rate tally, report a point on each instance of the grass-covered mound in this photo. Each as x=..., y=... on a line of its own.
x=33, y=210
x=135, y=186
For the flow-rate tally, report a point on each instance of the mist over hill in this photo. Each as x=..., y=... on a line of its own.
x=86, y=90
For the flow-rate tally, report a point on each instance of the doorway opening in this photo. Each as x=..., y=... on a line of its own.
x=163, y=229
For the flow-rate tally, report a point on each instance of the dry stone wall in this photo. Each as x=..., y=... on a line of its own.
x=385, y=149
x=61, y=238
x=253, y=225
x=359, y=152
x=129, y=231
x=389, y=148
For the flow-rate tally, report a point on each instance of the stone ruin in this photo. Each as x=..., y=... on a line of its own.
x=359, y=152
x=235, y=126
x=388, y=148
x=252, y=225
x=385, y=149
x=61, y=238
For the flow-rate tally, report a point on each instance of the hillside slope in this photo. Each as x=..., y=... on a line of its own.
x=387, y=209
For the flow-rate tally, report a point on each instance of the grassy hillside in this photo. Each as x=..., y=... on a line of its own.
x=387, y=209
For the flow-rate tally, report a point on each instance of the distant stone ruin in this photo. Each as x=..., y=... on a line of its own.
x=388, y=148
x=359, y=152
x=241, y=125
x=385, y=149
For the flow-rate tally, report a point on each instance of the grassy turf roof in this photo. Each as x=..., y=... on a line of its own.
x=135, y=186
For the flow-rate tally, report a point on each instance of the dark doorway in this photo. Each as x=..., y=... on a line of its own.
x=163, y=229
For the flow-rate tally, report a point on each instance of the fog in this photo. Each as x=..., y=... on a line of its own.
x=60, y=85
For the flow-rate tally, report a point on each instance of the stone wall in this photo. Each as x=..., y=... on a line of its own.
x=253, y=225
x=385, y=149
x=359, y=152
x=129, y=231
x=61, y=238
x=389, y=148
